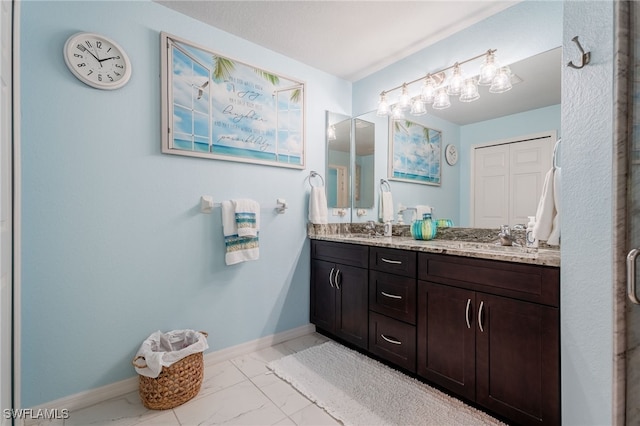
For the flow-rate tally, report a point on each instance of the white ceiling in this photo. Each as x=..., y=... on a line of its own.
x=352, y=39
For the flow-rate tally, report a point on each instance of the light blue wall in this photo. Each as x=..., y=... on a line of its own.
x=587, y=220
x=525, y=123
x=113, y=244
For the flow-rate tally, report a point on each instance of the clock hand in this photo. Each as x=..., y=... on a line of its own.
x=106, y=59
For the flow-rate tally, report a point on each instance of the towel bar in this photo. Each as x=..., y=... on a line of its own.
x=207, y=205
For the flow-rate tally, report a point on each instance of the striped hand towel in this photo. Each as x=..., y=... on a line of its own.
x=238, y=248
x=247, y=214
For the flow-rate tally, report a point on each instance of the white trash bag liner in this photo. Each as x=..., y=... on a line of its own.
x=163, y=349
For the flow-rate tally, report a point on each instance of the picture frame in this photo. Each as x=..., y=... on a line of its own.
x=415, y=153
x=219, y=108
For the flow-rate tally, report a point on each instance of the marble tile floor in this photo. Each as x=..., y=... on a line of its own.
x=240, y=391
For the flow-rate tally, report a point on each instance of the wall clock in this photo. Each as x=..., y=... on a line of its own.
x=451, y=154
x=97, y=61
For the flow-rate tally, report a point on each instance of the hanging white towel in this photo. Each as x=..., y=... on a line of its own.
x=247, y=214
x=318, y=212
x=386, y=206
x=238, y=249
x=554, y=237
x=546, y=213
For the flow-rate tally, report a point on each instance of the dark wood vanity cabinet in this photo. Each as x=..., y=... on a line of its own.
x=486, y=330
x=489, y=331
x=339, y=284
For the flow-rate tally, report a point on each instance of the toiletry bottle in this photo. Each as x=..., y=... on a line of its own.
x=387, y=228
x=531, y=241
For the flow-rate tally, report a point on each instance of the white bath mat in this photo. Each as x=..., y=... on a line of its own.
x=358, y=390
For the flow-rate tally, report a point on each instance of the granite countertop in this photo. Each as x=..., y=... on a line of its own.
x=454, y=241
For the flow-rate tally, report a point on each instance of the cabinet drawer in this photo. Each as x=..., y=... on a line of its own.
x=393, y=295
x=393, y=340
x=540, y=284
x=344, y=253
x=394, y=261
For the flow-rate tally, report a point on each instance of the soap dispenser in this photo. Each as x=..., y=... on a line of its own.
x=388, y=230
x=531, y=240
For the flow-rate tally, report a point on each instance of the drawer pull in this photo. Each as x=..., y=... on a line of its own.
x=391, y=340
x=395, y=262
x=467, y=313
x=480, y=316
x=337, y=279
x=331, y=276
x=392, y=296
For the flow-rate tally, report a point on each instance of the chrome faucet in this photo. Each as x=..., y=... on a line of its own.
x=505, y=236
x=371, y=227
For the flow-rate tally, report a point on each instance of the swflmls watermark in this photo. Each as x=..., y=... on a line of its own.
x=36, y=413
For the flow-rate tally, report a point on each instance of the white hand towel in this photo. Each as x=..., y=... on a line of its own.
x=554, y=237
x=318, y=212
x=238, y=249
x=386, y=206
x=247, y=214
x=546, y=209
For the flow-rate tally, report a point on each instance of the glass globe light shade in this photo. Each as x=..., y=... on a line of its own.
x=331, y=133
x=417, y=107
x=397, y=113
x=469, y=91
x=441, y=100
x=383, y=106
x=455, y=82
x=488, y=70
x=502, y=81
x=428, y=91
x=405, y=100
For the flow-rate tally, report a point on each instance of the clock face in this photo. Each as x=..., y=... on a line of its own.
x=451, y=154
x=97, y=61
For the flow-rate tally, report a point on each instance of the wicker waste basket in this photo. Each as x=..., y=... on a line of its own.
x=176, y=383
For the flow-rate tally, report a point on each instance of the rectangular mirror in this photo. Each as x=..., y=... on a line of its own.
x=338, y=173
x=364, y=174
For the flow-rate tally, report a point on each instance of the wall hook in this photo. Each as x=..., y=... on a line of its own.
x=586, y=56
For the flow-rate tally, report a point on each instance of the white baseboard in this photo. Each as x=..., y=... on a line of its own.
x=93, y=396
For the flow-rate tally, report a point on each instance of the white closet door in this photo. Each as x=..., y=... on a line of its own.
x=507, y=179
x=530, y=161
x=491, y=200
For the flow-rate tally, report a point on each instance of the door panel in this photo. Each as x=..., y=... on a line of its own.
x=491, y=186
x=323, y=305
x=352, y=306
x=446, y=337
x=518, y=351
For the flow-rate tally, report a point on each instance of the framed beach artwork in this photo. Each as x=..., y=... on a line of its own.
x=414, y=153
x=219, y=108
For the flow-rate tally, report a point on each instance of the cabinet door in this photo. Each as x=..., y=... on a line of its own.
x=446, y=337
x=352, y=310
x=517, y=359
x=323, y=304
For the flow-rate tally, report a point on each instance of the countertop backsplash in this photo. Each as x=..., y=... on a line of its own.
x=476, y=235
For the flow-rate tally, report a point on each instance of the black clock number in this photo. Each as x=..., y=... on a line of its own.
x=99, y=44
x=99, y=77
x=88, y=43
x=82, y=64
x=110, y=78
x=81, y=48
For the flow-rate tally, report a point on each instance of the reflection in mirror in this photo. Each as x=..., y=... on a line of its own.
x=338, y=160
x=364, y=178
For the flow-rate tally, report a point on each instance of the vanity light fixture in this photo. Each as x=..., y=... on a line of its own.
x=437, y=87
